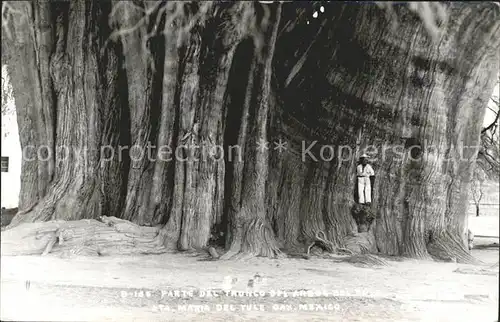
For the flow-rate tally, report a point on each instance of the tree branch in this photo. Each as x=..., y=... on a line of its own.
x=494, y=123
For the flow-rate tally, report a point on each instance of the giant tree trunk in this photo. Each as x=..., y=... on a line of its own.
x=391, y=89
x=173, y=81
x=71, y=109
x=252, y=233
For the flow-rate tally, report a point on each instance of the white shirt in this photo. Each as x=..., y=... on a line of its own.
x=367, y=171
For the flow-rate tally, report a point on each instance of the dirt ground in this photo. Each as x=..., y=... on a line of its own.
x=185, y=287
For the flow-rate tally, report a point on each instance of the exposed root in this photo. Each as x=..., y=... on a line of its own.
x=358, y=246
x=243, y=256
x=84, y=237
x=322, y=242
x=231, y=254
x=447, y=247
x=360, y=243
x=257, y=240
x=51, y=243
x=168, y=237
x=364, y=260
x=213, y=253
x=26, y=215
x=345, y=250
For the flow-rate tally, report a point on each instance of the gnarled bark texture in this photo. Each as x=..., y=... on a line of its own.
x=142, y=115
x=89, y=237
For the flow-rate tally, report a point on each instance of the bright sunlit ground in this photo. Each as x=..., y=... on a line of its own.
x=87, y=289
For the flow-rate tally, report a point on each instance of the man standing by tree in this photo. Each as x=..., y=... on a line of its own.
x=364, y=172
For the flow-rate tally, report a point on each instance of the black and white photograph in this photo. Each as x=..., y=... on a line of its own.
x=250, y=161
